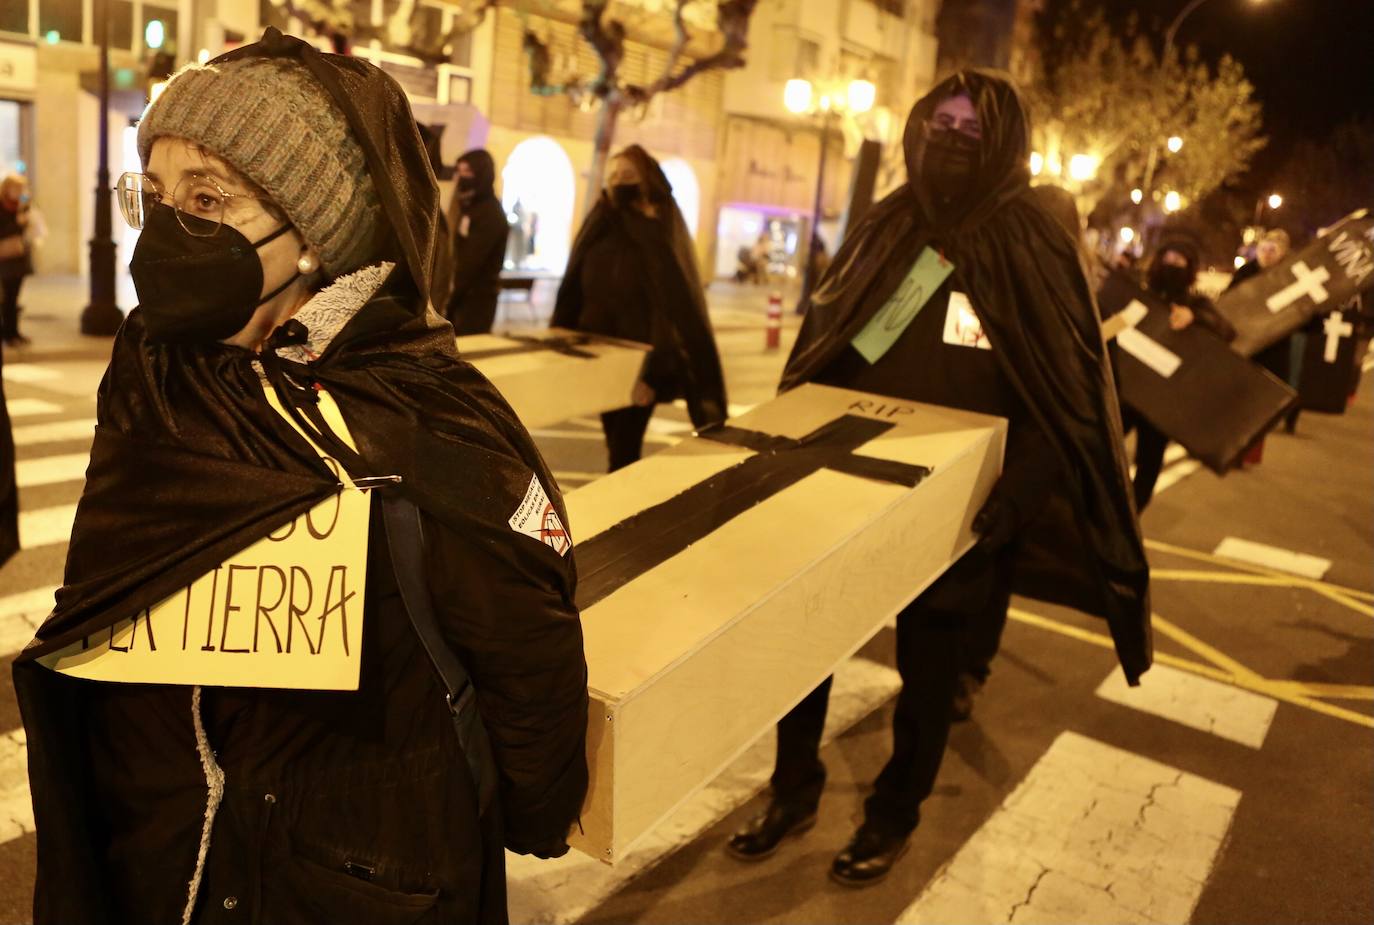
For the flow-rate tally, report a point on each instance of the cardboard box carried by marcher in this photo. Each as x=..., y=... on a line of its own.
x=722, y=579
x=1189, y=384
x=550, y=375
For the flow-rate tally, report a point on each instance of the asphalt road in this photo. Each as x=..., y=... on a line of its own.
x=1235, y=785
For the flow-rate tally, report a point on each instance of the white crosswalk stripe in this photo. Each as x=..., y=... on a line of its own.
x=51, y=470
x=46, y=526
x=1093, y=834
x=31, y=407
x=29, y=373
x=55, y=432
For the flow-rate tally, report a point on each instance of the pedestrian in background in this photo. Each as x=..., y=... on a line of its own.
x=1271, y=248
x=633, y=274
x=284, y=268
x=1172, y=276
x=480, y=229
x=15, y=253
x=1000, y=320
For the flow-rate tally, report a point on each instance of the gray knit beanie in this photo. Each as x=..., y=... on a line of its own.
x=277, y=126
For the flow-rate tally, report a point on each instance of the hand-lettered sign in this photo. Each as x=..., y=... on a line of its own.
x=286, y=612
x=922, y=281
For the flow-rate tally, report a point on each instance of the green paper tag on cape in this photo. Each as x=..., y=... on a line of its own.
x=883, y=329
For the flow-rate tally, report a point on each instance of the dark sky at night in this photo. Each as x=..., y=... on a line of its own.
x=1311, y=61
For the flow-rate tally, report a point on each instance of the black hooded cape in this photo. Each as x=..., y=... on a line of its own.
x=1022, y=273
x=9, y=486
x=668, y=269
x=478, y=255
x=190, y=464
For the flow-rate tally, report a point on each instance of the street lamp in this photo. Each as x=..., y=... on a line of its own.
x=1137, y=195
x=1037, y=163
x=102, y=316
x=1275, y=200
x=1175, y=144
x=1083, y=167
x=799, y=97
x=1172, y=201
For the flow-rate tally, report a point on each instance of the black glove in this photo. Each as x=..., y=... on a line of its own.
x=998, y=521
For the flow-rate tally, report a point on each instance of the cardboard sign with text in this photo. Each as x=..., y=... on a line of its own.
x=1308, y=282
x=286, y=612
x=1190, y=385
x=550, y=375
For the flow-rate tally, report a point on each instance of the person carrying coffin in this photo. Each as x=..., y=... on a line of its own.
x=633, y=274
x=289, y=218
x=1277, y=358
x=1009, y=328
x=480, y=229
x=1171, y=276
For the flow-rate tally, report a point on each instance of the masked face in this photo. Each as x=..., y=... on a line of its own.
x=1170, y=275
x=624, y=195
x=953, y=138
x=197, y=289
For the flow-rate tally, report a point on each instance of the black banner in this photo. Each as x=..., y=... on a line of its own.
x=616, y=556
x=1309, y=282
x=1190, y=385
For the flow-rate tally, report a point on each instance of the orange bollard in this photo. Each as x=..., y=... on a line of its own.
x=773, y=333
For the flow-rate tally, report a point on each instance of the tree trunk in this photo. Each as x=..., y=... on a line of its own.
x=601, y=151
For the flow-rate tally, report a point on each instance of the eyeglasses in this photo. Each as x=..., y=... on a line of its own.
x=944, y=122
x=199, y=201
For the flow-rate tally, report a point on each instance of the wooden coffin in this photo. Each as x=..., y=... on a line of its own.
x=550, y=375
x=722, y=579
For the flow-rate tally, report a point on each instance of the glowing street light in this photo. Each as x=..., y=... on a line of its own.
x=1082, y=167
x=1275, y=200
x=1175, y=144
x=796, y=96
x=154, y=34
x=1172, y=201
x=1136, y=196
x=1037, y=163
x=1239, y=261
x=1127, y=234
x=860, y=96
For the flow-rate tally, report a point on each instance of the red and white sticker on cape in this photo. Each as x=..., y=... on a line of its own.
x=536, y=518
x=962, y=327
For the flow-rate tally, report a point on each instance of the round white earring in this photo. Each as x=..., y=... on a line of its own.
x=306, y=264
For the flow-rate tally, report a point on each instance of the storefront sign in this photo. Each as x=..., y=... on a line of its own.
x=18, y=67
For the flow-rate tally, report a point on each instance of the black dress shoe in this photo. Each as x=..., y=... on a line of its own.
x=869, y=857
x=762, y=835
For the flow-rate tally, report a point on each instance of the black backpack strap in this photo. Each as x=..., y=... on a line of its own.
x=405, y=538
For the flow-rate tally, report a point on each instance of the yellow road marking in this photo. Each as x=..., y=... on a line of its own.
x=1339, y=593
x=1333, y=691
x=1221, y=578
x=1284, y=691
x=1198, y=647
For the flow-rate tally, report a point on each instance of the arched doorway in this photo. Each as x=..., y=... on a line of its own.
x=538, y=189
x=686, y=190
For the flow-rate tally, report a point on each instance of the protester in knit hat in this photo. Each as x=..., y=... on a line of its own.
x=365, y=744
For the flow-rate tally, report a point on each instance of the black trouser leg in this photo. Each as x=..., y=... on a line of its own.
x=624, y=429
x=1149, y=461
x=983, y=638
x=798, y=774
x=928, y=649
x=9, y=306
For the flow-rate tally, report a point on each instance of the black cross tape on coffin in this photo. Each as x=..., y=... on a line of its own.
x=619, y=555
x=568, y=346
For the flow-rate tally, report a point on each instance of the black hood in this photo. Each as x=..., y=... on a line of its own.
x=483, y=169
x=379, y=116
x=670, y=274
x=1001, y=170
x=1022, y=274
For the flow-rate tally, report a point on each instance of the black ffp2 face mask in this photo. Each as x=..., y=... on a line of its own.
x=624, y=194
x=197, y=289
x=948, y=165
